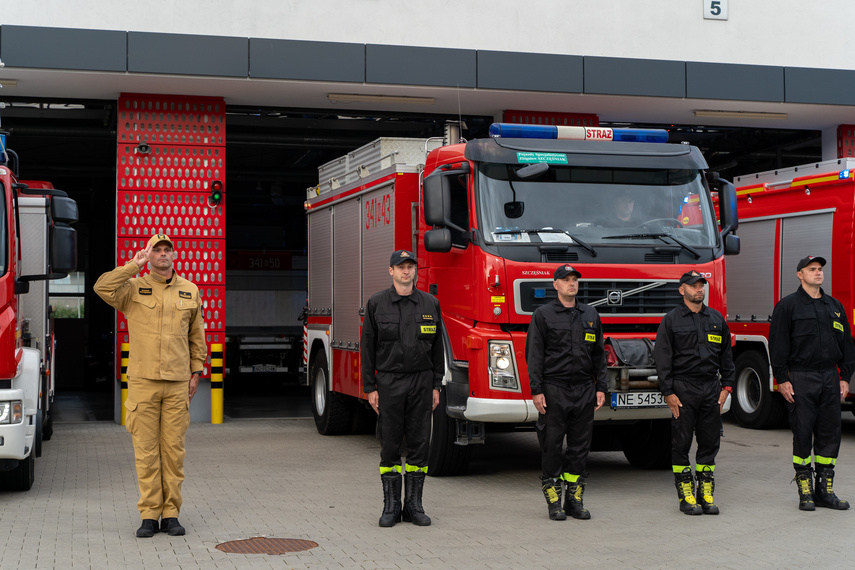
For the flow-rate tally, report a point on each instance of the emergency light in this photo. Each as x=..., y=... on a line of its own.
x=514, y=131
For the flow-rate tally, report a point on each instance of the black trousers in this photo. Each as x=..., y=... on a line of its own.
x=405, y=410
x=570, y=413
x=815, y=413
x=701, y=416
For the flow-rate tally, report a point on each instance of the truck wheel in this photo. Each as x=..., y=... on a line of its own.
x=332, y=411
x=21, y=477
x=445, y=457
x=647, y=445
x=754, y=405
x=48, y=431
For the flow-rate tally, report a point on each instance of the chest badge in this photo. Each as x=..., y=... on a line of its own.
x=184, y=294
x=145, y=290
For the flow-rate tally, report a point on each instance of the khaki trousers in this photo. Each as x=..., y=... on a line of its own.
x=158, y=415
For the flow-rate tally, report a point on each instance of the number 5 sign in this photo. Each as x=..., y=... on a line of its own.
x=715, y=9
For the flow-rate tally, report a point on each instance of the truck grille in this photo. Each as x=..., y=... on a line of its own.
x=611, y=298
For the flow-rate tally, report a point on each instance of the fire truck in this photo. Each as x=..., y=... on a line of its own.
x=36, y=244
x=490, y=220
x=785, y=215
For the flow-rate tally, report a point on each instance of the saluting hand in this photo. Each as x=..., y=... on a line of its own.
x=674, y=404
x=141, y=257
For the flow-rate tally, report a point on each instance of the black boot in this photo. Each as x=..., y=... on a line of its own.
x=391, y=498
x=706, y=488
x=551, y=488
x=147, y=528
x=573, y=499
x=172, y=527
x=825, y=496
x=685, y=484
x=414, y=512
x=804, y=480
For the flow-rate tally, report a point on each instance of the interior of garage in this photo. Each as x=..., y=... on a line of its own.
x=272, y=158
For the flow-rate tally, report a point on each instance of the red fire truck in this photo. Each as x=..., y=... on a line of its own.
x=785, y=215
x=36, y=244
x=489, y=220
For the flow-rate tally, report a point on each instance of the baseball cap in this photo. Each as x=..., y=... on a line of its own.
x=809, y=259
x=157, y=238
x=401, y=256
x=691, y=277
x=565, y=270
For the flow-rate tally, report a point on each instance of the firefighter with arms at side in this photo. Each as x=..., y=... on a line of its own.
x=813, y=359
x=694, y=362
x=567, y=375
x=167, y=353
x=403, y=362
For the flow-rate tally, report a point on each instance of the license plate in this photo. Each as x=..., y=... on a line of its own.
x=264, y=368
x=638, y=400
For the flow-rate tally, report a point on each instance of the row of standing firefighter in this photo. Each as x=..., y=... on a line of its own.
x=812, y=358
x=403, y=362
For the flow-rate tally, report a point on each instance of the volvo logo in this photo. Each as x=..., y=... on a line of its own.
x=614, y=296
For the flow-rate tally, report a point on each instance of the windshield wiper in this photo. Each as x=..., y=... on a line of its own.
x=678, y=241
x=576, y=240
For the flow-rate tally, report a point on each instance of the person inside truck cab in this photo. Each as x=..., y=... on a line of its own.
x=622, y=208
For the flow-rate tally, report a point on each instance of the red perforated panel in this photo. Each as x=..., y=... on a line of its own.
x=845, y=141
x=170, y=150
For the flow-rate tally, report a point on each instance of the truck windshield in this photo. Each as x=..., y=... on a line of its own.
x=595, y=207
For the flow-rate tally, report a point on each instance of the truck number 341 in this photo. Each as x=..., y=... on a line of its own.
x=378, y=211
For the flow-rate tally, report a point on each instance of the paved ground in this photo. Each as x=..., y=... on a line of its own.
x=279, y=478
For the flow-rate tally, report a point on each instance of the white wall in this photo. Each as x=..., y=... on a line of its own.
x=801, y=33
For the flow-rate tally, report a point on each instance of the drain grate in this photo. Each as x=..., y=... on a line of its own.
x=260, y=545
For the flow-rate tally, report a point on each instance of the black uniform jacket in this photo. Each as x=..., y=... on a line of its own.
x=564, y=345
x=810, y=334
x=400, y=335
x=694, y=347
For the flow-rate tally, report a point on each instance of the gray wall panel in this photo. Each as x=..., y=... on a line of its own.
x=404, y=65
x=620, y=76
x=346, y=261
x=750, y=275
x=801, y=236
x=188, y=55
x=529, y=71
x=63, y=48
x=823, y=86
x=734, y=82
x=311, y=61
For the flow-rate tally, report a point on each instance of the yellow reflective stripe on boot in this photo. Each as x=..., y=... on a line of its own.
x=680, y=468
x=821, y=460
x=702, y=468
x=384, y=470
x=688, y=492
x=412, y=469
x=570, y=478
x=801, y=461
x=551, y=495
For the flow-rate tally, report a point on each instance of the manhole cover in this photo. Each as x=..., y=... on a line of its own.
x=262, y=545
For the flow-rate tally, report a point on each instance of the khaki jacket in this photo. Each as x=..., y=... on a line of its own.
x=165, y=322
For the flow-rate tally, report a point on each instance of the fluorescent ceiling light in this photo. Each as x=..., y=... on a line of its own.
x=355, y=98
x=8, y=82
x=739, y=114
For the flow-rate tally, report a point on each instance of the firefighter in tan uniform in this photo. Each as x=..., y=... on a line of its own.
x=167, y=354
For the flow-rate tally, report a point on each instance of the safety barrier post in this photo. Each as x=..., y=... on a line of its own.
x=216, y=383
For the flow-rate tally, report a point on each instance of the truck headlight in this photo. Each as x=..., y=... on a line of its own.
x=11, y=412
x=503, y=370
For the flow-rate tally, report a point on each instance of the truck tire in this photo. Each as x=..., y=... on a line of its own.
x=332, y=411
x=647, y=444
x=21, y=477
x=754, y=405
x=48, y=431
x=445, y=457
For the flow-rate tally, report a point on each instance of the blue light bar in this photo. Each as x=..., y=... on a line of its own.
x=514, y=131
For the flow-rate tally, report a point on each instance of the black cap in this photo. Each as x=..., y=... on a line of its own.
x=565, y=270
x=691, y=277
x=809, y=259
x=401, y=256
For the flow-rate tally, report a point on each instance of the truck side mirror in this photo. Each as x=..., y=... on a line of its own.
x=438, y=240
x=436, y=193
x=731, y=244
x=63, y=238
x=727, y=207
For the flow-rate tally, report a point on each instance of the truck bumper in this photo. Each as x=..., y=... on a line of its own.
x=522, y=411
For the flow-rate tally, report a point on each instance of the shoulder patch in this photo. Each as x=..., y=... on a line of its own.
x=145, y=290
x=185, y=295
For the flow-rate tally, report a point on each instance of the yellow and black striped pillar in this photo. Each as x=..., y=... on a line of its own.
x=123, y=380
x=216, y=383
